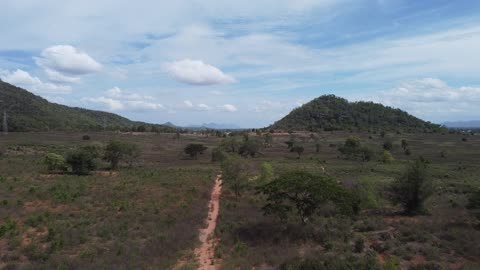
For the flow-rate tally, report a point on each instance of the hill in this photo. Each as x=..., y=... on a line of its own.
x=28, y=112
x=334, y=113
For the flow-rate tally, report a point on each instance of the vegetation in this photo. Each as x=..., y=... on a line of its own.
x=116, y=151
x=235, y=174
x=333, y=113
x=413, y=188
x=194, y=149
x=28, y=112
x=55, y=162
x=303, y=194
x=83, y=160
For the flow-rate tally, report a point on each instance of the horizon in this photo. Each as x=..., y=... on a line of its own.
x=191, y=63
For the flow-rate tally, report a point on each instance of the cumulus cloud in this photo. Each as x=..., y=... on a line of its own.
x=188, y=103
x=228, y=108
x=65, y=63
x=116, y=99
x=23, y=79
x=203, y=107
x=431, y=98
x=196, y=72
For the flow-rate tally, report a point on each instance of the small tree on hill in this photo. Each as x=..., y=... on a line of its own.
x=230, y=144
x=117, y=151
x=388, y=145
x=413, y=188
x=404, y=144
x=250, y=147
x=267, y=140
x=218, y=154
x=266, y=173
x=302, y=194
x=194, y=149
x=297, y=149
x=235, y=173
x=387, y=157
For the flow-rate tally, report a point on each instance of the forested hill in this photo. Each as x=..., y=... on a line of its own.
x=28, y=112
x=334, y=113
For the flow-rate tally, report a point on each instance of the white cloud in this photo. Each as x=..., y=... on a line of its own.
x=65, y=63
x=116, y=99
x=203, y=107
x=196, y=72
x=228, y=108
x=188, y=103
x=431, y=99
x=23, y=79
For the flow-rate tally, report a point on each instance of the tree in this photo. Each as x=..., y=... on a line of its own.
x=474, y=203
x=267, y=140
x=230, y=144
x=351, y=147
x=404, y=144
x=388, y=145
x=387, y=157
x=413, y=188
x=117, y=151
x=235, y=173
x=297, y=149
x=302, y=193
x=83, y=160
x=194, y=149
x=250, y=147
x=266, y=173
x=55, y=162
x=218, y=154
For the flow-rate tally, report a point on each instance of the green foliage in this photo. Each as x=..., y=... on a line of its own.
x=194, y=149
x=303, y=193
x=230, y=144
x=474, y=203
x=367, y=191
x=28, y=112
x=387, y=157
x=266, y=173
x=388, y=145
x=413, y=188
x=235, y=173
x=8, y=226
x=267, y=140
x=83, y=159
x=353, y=149
x=297, y=149
x=404, y=144
x=55, y=162
x=116, y=151
x=250, y=147
x=218, y=154
x=333, y=113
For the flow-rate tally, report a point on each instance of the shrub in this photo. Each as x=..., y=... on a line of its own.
x=218, y=155
x=388, y=145
x=117, y=151
x=55, y=162
x=85, y=137
x=387, y=157
x=303, y=193
x=297, y=149
x=250, y=147
x=413, y=188
x=83, y=160
x=235, y=174
x=194, y=149
x=266, y=173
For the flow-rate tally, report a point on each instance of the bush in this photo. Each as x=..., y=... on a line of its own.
x=413, y=188
x=266, y=173
x=86, y=137
x=83, y=159
x=218, y=155
x=117, y=151
x=235, y=173
x=388, y=145
x=387, y=157
x=55, y=162
x=303, y=193
x=194, y=149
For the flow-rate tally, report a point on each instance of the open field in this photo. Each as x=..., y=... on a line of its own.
x=145, y=217
x=148, y=216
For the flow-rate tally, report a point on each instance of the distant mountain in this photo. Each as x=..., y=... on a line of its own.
x=334, y=113
x=169, y=124
x=463, y=124
x=214, y=126
x=28, y=112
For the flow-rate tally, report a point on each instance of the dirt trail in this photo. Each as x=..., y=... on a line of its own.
x=206, y=252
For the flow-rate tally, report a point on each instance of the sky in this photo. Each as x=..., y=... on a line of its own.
x=242, y=62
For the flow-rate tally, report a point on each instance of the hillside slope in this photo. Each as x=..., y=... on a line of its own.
x=333, y=113
x=28, y=112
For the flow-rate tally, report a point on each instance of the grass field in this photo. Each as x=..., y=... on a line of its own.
x=148, y=216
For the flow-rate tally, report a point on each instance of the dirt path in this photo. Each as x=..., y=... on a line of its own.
x=206, y=252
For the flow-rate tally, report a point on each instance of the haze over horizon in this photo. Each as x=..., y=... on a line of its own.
x=194, y=62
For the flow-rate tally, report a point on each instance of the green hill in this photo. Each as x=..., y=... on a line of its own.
x=334, y=113
x=28, y=112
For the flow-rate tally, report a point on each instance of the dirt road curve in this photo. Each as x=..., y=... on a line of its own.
x=205, y=253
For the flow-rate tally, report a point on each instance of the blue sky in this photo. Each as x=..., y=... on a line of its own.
x=192, y=62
